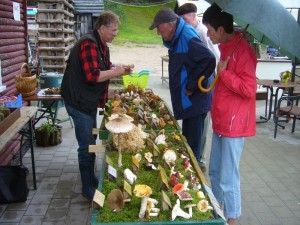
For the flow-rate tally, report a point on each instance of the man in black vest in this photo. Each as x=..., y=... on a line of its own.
x=85, y=87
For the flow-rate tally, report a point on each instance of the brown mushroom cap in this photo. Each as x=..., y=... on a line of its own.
x=119, y=125
x=142, y=190
x=115, y=200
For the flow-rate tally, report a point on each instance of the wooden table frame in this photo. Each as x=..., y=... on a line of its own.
x=53, y=102
x=27, y=115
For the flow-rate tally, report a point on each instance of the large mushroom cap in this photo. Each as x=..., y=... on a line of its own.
x=142, y=190
x=119, y=125
x=115, y=200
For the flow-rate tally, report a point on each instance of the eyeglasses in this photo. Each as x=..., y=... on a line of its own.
x=113, y=30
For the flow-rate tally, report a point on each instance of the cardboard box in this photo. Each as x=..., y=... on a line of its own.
x=15, y=113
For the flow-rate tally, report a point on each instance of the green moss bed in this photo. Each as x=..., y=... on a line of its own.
x=151, y=178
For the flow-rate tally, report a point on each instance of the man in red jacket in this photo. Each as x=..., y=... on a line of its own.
x=232, y=111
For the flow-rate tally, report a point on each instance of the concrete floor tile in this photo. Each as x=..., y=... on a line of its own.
x=59, y=204
x=36, y=210
x=285, y=195
x=59, y=159
x=69, y=176
x=259, y=206
x=282, y=211
x=44, y=198
x=264, y=191
x=71, y=169
x=53, y=173
x=56, y=166
x=248, y=217
x=273, y=201
x=31, y=220
x=268, y=218
x=289, y=220
x=11, y=217
x=56, y=215
x=21, y=206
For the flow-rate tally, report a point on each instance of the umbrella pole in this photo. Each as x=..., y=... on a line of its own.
x=217, y=76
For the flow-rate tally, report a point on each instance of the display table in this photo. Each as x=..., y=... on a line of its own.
x=145, y=108
x=27, y=116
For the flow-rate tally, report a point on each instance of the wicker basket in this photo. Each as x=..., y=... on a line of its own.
x=25, y=81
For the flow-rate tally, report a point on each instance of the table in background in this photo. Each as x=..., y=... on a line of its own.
x=53, y=102
x=163, y=78
x=270, y=84
x=27, y=115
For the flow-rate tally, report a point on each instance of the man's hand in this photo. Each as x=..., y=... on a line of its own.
x=222, y=65
x=187, y=92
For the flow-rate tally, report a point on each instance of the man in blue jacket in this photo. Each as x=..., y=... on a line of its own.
x=189, y=59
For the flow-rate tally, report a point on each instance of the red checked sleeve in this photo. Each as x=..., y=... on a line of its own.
x=90, y=61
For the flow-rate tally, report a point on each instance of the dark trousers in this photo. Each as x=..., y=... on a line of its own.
x=192, y=129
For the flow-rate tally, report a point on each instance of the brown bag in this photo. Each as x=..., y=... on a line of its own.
x=25, y=81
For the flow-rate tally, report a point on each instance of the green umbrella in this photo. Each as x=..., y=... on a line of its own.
x=269, y=22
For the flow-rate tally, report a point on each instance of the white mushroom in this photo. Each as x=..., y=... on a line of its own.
x=203, y=206
x=177, y=211
x=190, y=207
x=160, y=139
x=129, y=176
x=148, y=156
x=142, y=191
x=117, y=126
x=170, y=156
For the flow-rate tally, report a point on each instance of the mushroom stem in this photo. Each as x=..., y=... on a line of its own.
x=143, y=207
x=120, y=152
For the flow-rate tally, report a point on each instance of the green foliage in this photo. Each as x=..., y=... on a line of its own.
x=48, y=128
x=136, y=21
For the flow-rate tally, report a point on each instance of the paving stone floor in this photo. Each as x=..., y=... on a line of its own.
x=270, y=178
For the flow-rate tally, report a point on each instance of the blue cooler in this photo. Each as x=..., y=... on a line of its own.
x=49, y=80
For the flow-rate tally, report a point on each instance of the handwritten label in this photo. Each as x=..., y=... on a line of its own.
x=99, y=198
x=16, y=11
x=127, y=187
x=112, y=171
x=97, y=148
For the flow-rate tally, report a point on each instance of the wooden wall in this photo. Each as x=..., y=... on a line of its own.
x=13, y=53
x=13, y=43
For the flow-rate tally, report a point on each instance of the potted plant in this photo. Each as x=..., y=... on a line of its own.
x=48, y=135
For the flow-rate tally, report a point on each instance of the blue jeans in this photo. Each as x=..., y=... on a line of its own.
x=224, y=173
x=192, y=129
x=84, y=125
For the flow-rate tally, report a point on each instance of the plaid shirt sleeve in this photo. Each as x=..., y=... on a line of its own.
x=91, y=67
x=90, y=57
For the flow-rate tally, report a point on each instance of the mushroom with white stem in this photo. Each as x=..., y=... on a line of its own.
x=142, y=191
x=177, y=211
x=129, y=176
x=204, y=206
x=118, y=126
x=190, y=207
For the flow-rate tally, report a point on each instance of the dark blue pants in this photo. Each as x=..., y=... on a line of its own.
x=192, y=129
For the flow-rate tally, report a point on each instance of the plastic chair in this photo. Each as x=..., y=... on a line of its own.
x=292, y=110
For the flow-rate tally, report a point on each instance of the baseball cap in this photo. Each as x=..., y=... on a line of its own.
x=186, y=8
x=164, y=15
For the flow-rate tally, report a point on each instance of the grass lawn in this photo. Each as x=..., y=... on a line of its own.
x=135, y=22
